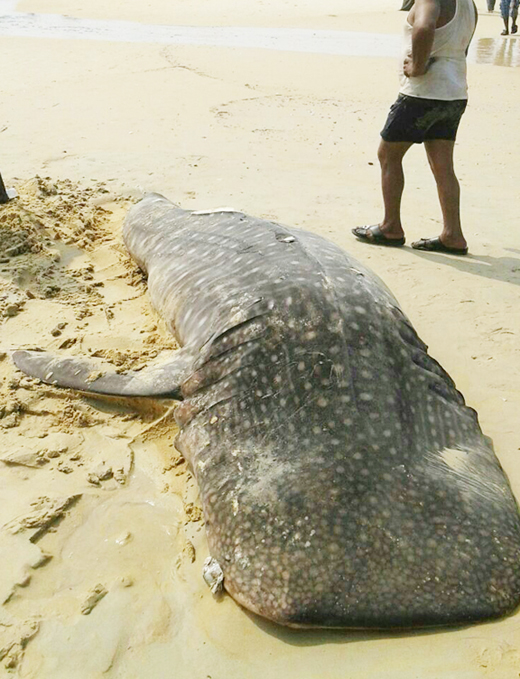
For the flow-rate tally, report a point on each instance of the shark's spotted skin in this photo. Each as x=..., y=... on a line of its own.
x=344, y=481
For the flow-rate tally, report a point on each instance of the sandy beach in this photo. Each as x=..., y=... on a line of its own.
x=101, y=533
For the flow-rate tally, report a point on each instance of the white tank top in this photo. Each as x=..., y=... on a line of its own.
x=446, y=76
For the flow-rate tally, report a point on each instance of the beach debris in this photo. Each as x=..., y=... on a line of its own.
x=6, y=194
x=14, y=637
x=213, y=575
x=46, y=513
x=120, y=475
x=94, y=597
x=187, y=556
x=23, y=458
x=124, y=538
x=12, y=301
x=56, y=331
x=100, y=473
x=56, y=452
x=193, y=513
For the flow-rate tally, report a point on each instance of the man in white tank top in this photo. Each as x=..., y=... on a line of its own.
x=432, y=98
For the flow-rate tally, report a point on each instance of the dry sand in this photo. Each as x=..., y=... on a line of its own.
x=101, y=538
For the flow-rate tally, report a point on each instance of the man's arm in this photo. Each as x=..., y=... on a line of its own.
x=426, y=14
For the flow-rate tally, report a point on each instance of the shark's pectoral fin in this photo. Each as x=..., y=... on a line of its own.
x=84, y=374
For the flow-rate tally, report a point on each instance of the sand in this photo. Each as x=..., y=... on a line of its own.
x=101, y=534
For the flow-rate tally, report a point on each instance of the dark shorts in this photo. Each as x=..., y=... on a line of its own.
x=416, y=120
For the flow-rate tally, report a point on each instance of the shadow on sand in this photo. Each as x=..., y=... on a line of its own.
x=504, y=269
x=318, y=637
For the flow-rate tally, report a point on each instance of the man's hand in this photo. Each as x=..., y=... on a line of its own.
x=409, y=70
x=413, y=72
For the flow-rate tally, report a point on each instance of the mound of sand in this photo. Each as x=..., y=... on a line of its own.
x=72, y=532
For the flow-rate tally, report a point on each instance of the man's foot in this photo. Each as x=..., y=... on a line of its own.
x=505, y=32
x=436, y=245
x=514, y=28
x=374, y=235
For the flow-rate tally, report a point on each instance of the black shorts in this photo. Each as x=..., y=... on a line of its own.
x=415, y=120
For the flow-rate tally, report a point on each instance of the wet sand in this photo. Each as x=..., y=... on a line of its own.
x=101, y=538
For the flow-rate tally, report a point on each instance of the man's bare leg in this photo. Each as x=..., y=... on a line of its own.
x=391, y=156
x=440, y=157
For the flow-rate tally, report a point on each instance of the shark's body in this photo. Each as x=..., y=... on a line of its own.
x=343, y=479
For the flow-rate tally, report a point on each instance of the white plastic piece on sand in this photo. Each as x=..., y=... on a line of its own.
x=213, y=575
x=11, y=193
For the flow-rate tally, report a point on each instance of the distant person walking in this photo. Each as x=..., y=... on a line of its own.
x=431, y=101
x=491, y=5
x=509, y=8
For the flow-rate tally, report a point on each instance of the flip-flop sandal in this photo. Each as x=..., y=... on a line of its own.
x=436, y=245
x=374, y=235
x=514, y=29
x=504, y=32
